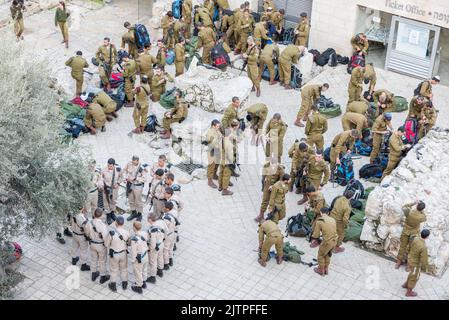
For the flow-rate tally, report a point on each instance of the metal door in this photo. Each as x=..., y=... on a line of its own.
x=293, y=9
x=412, y=47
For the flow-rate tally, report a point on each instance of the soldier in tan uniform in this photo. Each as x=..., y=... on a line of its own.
x=352, y=120
x=95, y=118
x=17, y=9
x=96, y=183
x=228, y=159
x=107, y=57
x=139, y=257
x=167, y=25
x=360, y=44
x=342, y=143
x=276, y=205
x=117, y=243
x=260, y=32
x=129, y=39
x=302, y=31
x=78, y=63
x=396, y=148
x=360, y=107
x=275, y=133
x=206, y=40
x=186, y=13
x=244, y=27
x=300, y=153
x=384, y=100
x=112, y=177
x=161, y=52
x=176, y=115
x=135, y=177
x=252, y=57
x=230, y=113
x=418, y=259
x=156, y=233
x=355, y=85
x=269, y=235
x=316, y=126
x=107, y=103
x=277, y=18
x=428, y=120
x=268, y=4
x=180, y=56
x=272, y=172
x=370, y=78
x=316, y=202
x=289, y=56
x=157, y=192
x=413, y=219
x=309, y=96
x=170, y=220
x=379, y=129
x=79, y=242
x=97, y=231
x=327, y=228
x=256, y=115
x=145, y=63
x=318, y=171
x=129, y=75
x=213, y=140
x=159, y=82
x=416, y=105
x=340, y=212
x=426, y=87
x=140, y=113
x=269, y=53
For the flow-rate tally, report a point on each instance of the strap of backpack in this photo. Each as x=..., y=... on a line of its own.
x=145, y=90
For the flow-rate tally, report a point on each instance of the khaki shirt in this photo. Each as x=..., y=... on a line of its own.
x=380, y=124
x=169, y=219
x=180, y=53
x=96, y=230
x=129, y=37
x=311, y=92
x=213, y=137
x=78, y=222
x=316, y=170
x=103, y=99
x=426, y=89
x=413, y=219
x=269, y=4
x=370, y=74
x=77, y=64
x=180, y=111
x=276, y=130
x=343, y=141
x=178, y=205
x=131, y=173
x=259, y=110
x=224, y=4
x=206, y=38
x=229, y=115
x=277, y=196
x=95, y=111
x=107, y=54
x=316, y=124
x=145, y=62
x=156, y=235
x=139, y=245
x=341, y=210
x=327, y=227
x=245, y=25
x=415, y=108
x=229, y=150
x=272, y=174
x=260, y=32
x=253, y=55
x=269, y=229
x=278, y=20
x=142, y=96
x=357, y=119
x=269, y=50
x=166, y=23
x=396, y=146
x=418, y=255
x=362, y=44
x=130, y=69
x=303, y=29
x=107, y=176
x=113, y=240
x=158, y=189
x=95, y=180
x=357, y=107
x=356, y=77
x=317, y=202
x=300, y=158
x=291, y=54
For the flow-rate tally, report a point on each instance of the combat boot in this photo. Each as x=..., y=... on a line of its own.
x=303, y=200
x=258, y=92
x=326, y=270
x=142, y=129
x=177, y=237
x=103, y=129
x=75, y=261
x=338, y=249
x=68, y=233
x=104, y=279
x=272, y=83
x=92, y=131
x=160, y=273
x=174, y=247
x=112, y=286
x=405, y=285
x=211, y=184
x=262, y=263
x=170, y=262
x=136, y=130
x=59, y=238
x=220, y=188
x=95, y=275
x=85, y=267
x=288, y=87
x=114, y=114
x=234, y=174
x=314, y=243
x=124, y=285
x=151, y=279
x=319, y=270
x=279, y=259
x=259, y=217
x=215, y=177
x=132, y=216
x=139, y=216
x=166, y=267
x=226, y=192
x=410, y=293
x=253, y=89
x=144, y=285
x=109, y=118
x=137, y=289
x=298, y=123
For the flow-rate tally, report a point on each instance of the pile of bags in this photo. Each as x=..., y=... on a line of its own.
x=421, y=175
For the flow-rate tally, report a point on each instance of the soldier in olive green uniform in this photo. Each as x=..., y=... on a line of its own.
x=300, y=153
x=256, y=115
x=94, y=118
x=318, y=170
x=289, y=56
x=316, y=202
x=418, y=259
x=228, y=160
x=129, y=75
x=384, y=100
x=342, y=143
x=160, y=56
x=302, y=31
x=61, y=16
x=370, y=77
x=206, y=40
x=176, y=115
x=230, y=113
x=426, y=87
x=396, y=148
x=145, y=63
x=167, y=25
x=187, y=17
x=203, y=15
x=244, y=27
x=352, y=120
x=415, y=106
x=316, y=126
x=17, y=9
x=327, y=228
x=360, y=44
x=309, y=96
x=276, y=205
x=158, y=83
x=269, y=4
x=272, y=172
x=268, y=53
x=277, y=18
x=269, y=235
x=360, y=107
x=107, y=57
x=340, y=212
x=214, y=143
x=428, y=120
x=413, y=219
x=275, y=132
x=252, y=57
x=260, y=32
x=140, y=114
x=355, y=85
x=180, y=57
x=78, y=63
x=107, y=103
x=130, y=39
x=379, y=129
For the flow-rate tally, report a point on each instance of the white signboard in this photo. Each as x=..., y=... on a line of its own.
x=412, y=39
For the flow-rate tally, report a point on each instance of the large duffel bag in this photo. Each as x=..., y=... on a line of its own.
x=323, y=59
x=353, y=231
x=400, y=104
x=70, y=110
x=168, y=99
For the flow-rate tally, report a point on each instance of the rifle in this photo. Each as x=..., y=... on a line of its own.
x=89, y=73
x=129, y=184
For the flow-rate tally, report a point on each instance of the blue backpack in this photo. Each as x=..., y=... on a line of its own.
x=176, y=8
x=170, y=56
x=142, y=36
x=362, y=148
x=266, y=73
x=216, y=14
x=151, y=123
x=327, y=154
x=345, y=171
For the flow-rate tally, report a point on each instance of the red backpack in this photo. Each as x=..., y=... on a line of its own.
x=80, y=102
x=411, y=130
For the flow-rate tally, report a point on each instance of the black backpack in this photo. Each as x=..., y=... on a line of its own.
x=289, y=36
x=296, y=227
x=333, y=62
x=151, y=123
x=357, y=187
x=316, y=54
x=342, y=60
x=356, y=61
x=327, y=154
x=417, y=91
x=220, y=58
x=370, y=171
x=366, y=94
x=323, y=59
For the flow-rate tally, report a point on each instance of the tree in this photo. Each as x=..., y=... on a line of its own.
x=42, y=179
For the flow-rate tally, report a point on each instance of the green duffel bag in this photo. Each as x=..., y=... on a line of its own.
x=71, y=111
x=331, y=112
x=168, y=99
x=291, y=253
x=353, y=231
x=358, y=216
x=367, y=192
x=190, y=45
x=400, y=104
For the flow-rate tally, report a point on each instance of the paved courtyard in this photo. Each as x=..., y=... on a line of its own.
x=217, y=253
